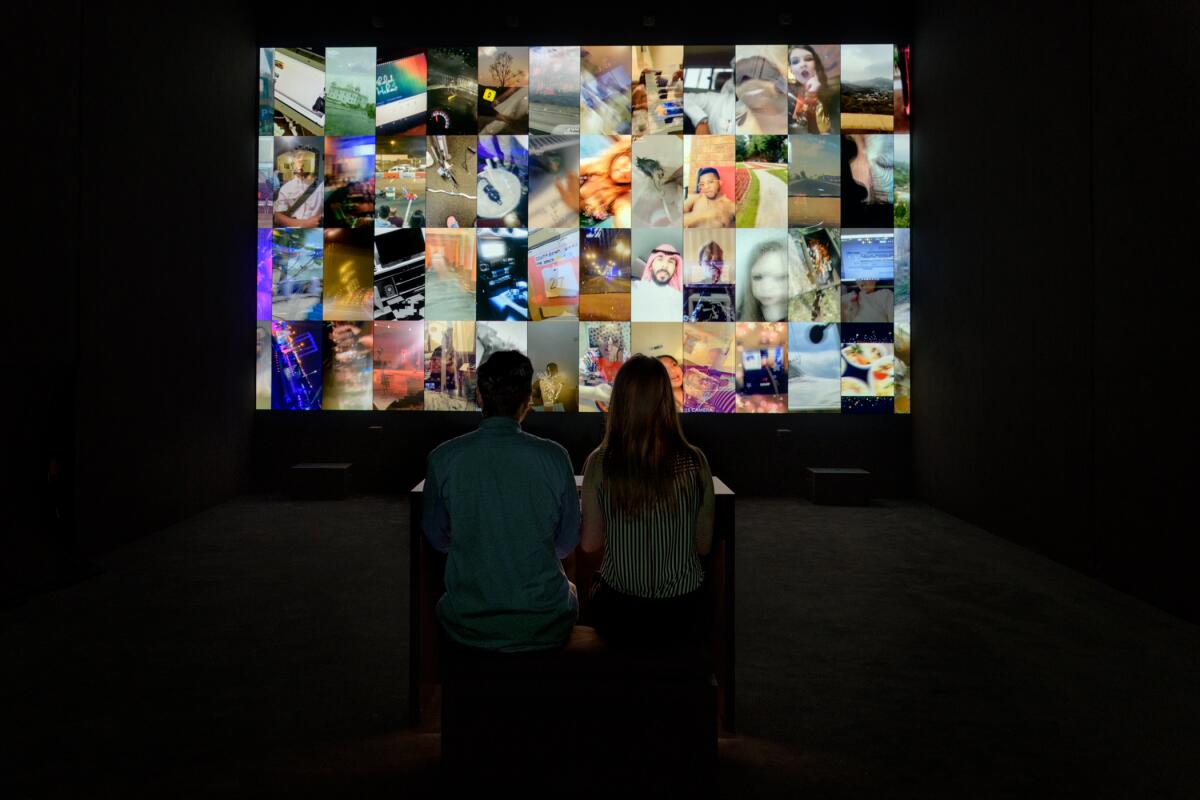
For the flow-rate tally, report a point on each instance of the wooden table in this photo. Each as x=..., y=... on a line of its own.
x=427, y=568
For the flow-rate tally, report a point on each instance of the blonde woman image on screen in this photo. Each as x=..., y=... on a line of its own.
x=605, y=183
x=763, y=286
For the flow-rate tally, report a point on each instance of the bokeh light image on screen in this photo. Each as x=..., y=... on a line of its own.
x=742, y=212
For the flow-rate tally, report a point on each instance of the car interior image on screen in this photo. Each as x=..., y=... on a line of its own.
x=740, y=212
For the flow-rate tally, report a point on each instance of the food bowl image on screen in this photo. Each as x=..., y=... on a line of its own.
x=864, y=355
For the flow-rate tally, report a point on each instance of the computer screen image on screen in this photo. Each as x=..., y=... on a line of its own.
x=740, y=211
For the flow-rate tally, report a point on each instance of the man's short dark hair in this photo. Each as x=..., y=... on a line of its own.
x=505, y=382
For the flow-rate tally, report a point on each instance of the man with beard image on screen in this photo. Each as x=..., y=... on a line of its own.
x=708, y=208
x=658, y=296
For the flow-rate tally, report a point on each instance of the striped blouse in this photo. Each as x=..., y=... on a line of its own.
x=653, y=555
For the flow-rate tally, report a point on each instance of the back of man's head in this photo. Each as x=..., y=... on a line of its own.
x=505, y=383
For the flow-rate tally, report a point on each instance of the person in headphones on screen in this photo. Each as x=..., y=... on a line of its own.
x=503, y=506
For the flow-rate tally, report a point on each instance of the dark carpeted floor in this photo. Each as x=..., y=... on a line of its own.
x=260, y=649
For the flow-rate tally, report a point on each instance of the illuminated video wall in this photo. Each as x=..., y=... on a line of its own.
x=740, y=212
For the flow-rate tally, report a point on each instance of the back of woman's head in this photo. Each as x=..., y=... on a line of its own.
x=643, y=437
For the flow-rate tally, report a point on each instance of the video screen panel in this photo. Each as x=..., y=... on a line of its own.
x=740, y=212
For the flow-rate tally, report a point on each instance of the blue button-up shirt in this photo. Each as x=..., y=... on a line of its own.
x=503, y=506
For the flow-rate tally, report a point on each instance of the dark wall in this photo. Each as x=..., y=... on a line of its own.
x=164, y=357
x=1043, y=219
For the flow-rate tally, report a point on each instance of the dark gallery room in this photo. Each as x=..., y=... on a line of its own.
x=588, y=411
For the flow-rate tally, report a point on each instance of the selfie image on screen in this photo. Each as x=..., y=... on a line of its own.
x=657, y=93
x=604, y=89
x=449, y=362
x=450, y=273
x=868, y=372
x=708, y=364
x=709, y=102
x=299, y=91
x=399, y=274
x=503, y=90
x=816, y=274
x=604, y=274
x=760, y=181
x=502, y=288
x=297, y=269
x=400, y=182
x=760, y=78
x=299, y=184
x=711, y=183
x=350, y=91
x=266, y=181
x=867, y=180
x=603, y=348
x=453, y=90
x=760, y=368
x=658, y=182
x=553, y=181
x=554, y=90
x=398, y=376
x=451, y=172
x=346, y=372
x=664, y=341
x=763, y=275
x=262, y=364
x=554, y=351
x=296, y=365
x=901, y=170
x=867, y=87
x=868, y=254
x=554, y=274
x=400, y=91
x=502, y=186
x=349, y=265
x=605, y=181
x=814, y=367
x=814, y=88
x=657, y=275
x=349, y=181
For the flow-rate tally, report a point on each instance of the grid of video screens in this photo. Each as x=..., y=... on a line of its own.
x=740, y=212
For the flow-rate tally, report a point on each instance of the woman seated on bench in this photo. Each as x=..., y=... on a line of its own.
x=648, y=503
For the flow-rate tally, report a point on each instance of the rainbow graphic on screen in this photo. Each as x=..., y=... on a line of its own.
x=399, y=92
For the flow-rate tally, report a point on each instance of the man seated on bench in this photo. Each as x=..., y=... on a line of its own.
x=503, y=506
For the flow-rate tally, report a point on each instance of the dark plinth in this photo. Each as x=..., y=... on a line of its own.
x=329, y=481
x=623, y=718
x=839, y=486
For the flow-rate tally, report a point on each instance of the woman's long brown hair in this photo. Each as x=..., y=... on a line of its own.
x=643, y=437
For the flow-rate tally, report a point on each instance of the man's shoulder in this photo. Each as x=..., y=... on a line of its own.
x=548, y=446
x=451, y=447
